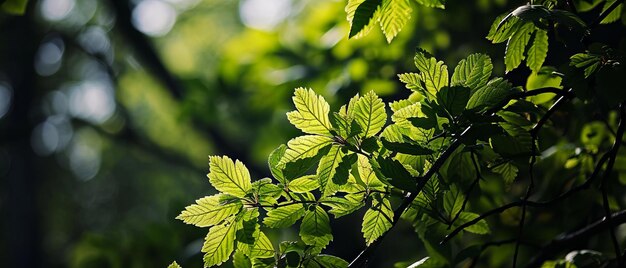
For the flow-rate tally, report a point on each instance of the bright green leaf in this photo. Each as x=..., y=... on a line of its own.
x=481, y=227
x=369, y=113
x=328, y=261
x=312, y=111
x=340, y=206
x=360, y=13
x=433, y=73
x=516, y=46
x=273, y=161
x=304, y=184
x=378, y=219
x=508, y=171
x=394, y=14
x=538, y=50
x=228, y=176
x=209, y=211
x=284, y=216
x=307, y=146
x=492, y=94
x=174, y=265
x=472, y=72
x=453, y=201
x=328, y=168
x=219, y=243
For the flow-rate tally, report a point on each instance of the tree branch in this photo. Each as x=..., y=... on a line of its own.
x=569, y=240
x=605, y=13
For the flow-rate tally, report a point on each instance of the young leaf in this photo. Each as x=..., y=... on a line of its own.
x=369, y=113
x=306, y=146
x=538, y=51
x=366, y=173
x=304, y=184
x=228, y=176
x=219, y=243
x=501, y=30
x=377, y=220
x=517, y=45
x=360, y=14
x=315, y=228
x=413, y=81
x=394, y=15
x=312, y=111
x=589, y=62
x=454, y=99
x=208, y=211
x=472, y=72
x=240, y=260
x=284, y=216
x=174, y=265
x=434, y=73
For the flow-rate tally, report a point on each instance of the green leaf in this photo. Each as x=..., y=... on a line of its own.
x=394, y=15
x=15, y=7
x=304, y=184
x=589, y=62
x=328, y=168
x=366, y=173
x=453, y=201
x=545, y=77
x=284, y=216
x=273, y=161
x=492, y=94
x=406, y=148
x=369, y=113
x=261, y=248
x=413, y=81
x=240, y=260
x=433, y=73
x=508, y=172
x=454, y=99
x=228, y=176
x=209, y=211
x=315, y=228
x=481, y=227
x=393, y=173
x=174, y=265
x=517, y=45
x=378, y=219
x=340, y=206
x=360, y=14
x=538, y=51
x=247, y=228
x=568, y=19
x=615, y=15
x=532, y=13
x=328, y=261
x=302, y=147
x=219, y=243
x=266, y=191
x=472, y=72
x=312, y=111
x=502, y=30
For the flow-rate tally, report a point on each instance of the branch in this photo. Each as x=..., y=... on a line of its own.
x=569, y=240
x=605, y=13
x=366, y=253
x=469, y=190
x=607, y=173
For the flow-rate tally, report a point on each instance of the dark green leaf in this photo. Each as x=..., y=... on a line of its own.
x=406, y=148
x=362, y=16
x=454, y=99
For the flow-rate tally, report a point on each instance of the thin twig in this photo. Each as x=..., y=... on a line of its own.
x=607, y=173
x=605, y=13
x=468, y=192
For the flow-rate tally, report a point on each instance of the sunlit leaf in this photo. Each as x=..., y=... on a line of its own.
x=304, y=147
x=481, y=227
x=328, y=261
x=312, y=111
x=174, y=265
x=219, y=243
x=377, y=220
x=228, y=176
x=496, y=91
x=369, y=113
x=304, y=184
x=538, y=50
x=472, y=72
x=433, y=73
x=516, y=46
x=394, y=15
x=284, y=216
x=340, y=206
x=360, y=14
x=209, y=211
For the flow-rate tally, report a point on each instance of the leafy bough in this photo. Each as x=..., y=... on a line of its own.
x=355, y=158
